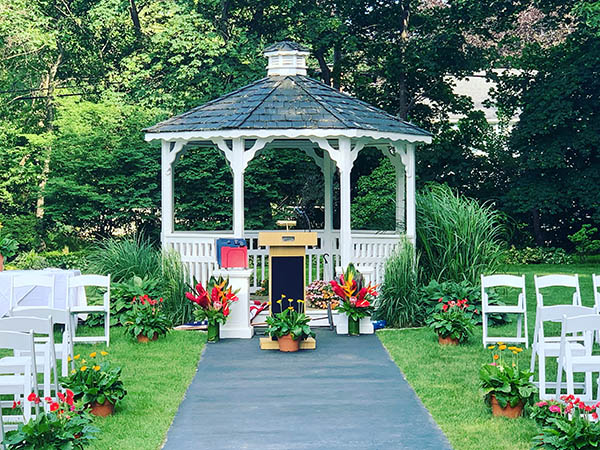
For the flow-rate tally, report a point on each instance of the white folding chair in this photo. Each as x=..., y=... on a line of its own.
x=31, y=281
x=46, y=358
x=572, y=363
x=596, y=285
x=512, y=281
x=544, y=346
x=546, y=281
x=80, y=282
x=63, y=349
x=19, y=381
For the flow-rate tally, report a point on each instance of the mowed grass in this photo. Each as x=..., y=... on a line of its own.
x=447, y=378
x=156, y=376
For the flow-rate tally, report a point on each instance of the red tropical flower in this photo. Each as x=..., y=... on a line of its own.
x=54, y=406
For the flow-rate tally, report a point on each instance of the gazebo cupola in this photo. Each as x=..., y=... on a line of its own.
x=285, y=110
x=286, y=58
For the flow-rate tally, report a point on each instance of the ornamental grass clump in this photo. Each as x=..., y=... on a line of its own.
x=356, y=298
x=453, y=323
x=503, y=382
x=568, y=424
x=95, y=381
x=63, y=425
x=146, y=321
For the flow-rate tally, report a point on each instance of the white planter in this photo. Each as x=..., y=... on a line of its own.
x=341, y=324
x=238, y=323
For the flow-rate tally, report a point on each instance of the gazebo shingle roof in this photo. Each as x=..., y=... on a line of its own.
x=286, y=102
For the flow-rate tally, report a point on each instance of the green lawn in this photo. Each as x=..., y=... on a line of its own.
x=446, y=378
x=156, y=376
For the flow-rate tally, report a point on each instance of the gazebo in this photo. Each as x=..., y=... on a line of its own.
x=287, y=109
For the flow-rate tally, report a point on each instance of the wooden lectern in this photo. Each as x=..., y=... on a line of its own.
x=287, y=254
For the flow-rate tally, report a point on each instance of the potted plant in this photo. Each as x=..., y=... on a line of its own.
x=454, y=323
x=565, y=425
x=8, y=247
x=505, y=386
x=213, y=307
x=63, y=425
x=96, y=383
x=356, y=299
x=289, y=327
x=146, y=321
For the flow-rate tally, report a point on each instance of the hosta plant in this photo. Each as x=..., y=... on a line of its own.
x=568, y=425
x=66, y=425
x=146, y=318
x=503, y=378
x=95, y=380
x=289, y=322
x=453, y=321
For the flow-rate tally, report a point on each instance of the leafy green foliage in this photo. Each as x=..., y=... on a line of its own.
x=146, y=318
x=398, y=302
x=95, y=380
x=454, y=321
x=289, y=321
x=124, y=292
x=584, y=242
x=537, y=255
x=459, y=239
x=8, y=246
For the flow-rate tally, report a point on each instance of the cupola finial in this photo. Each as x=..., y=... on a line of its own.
x=286, y=58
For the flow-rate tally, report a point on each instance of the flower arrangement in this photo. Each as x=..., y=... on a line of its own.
x=146, y=321
x=319, y=293
x=454, y=323
x=63, y=425
x=213, y=307
x=505, y=386
x=95, y=382
x=356, y=299
x=289, y=326
x=567, y=424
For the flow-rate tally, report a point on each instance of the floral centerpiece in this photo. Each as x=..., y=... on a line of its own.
x=319, y=293
x=356, y=299
x=565, y=425
x=8, y=247
x=213, y=303
x=505, y=386
x=64, y=425
x=96, y=383
x=453, y=323
x=146, y=321
x=289, y=326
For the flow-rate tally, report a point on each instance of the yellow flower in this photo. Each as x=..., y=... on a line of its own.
x=512, y=348
x=300, y=301
x=290, y=307
x=69, y=358
x=96, y=368
x=500, y=343
x=76, y=356
x=502, y=347
x=93, y=355
x=519, y=350
x=515, y=352
x=491, y=347
x=83, y=368
x=103, y=353
x=279, y=301
x=282, y=296
x=496, y=356
x=73, y=371
x=514, y=365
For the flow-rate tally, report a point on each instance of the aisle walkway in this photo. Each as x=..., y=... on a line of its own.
x=347, y=394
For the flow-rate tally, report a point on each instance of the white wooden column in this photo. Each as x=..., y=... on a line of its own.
x=169, y=151
x=394, y=154
x=328, y=243
x=411, y=208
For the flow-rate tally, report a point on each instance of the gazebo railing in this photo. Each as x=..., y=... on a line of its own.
x=198, y=253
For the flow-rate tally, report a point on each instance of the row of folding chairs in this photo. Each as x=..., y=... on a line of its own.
x=572, y=348
x=29, y=281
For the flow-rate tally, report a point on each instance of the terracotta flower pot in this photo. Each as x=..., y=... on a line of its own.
x=102, y=409
x=1, y=262
x=287, y=344
x=508, y=411
x=213, y=332
x=353, y=327
x=144, y=338
x=447, y=341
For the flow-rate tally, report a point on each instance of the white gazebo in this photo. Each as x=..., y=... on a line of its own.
x=287, y=109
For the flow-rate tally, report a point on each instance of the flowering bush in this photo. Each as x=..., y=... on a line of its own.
x=289, y=321
x=64, y=426
x=319, y=293
x=213, y=307
x=568, y=425
x=503, y=379
x=95, y=381
x=453, y=321
x=356, y=299
x=146, y=318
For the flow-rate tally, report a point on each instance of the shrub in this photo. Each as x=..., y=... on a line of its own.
x=536, y=255
x=584, y=242
x=30, y=260
x=67, y=260
x=453, y=321
x=457, y=237
x=399, y=304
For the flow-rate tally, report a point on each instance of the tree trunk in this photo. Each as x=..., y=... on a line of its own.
x=537, y=228
x=402, y=87
x=134, y=17
x=325, y=72
x=337, y=69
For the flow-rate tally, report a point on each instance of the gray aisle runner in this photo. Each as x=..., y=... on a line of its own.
x=346, y=394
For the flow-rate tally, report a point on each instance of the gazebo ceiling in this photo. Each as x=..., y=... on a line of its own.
x=286, y=102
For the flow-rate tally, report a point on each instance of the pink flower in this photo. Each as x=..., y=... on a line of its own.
x=493, y=364
x=540, y=404
x=554, y=408
x=595, y=415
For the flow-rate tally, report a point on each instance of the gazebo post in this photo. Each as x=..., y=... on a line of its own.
x=411, y=212
x=328, y=244
x=237, y=167
x=169, y=151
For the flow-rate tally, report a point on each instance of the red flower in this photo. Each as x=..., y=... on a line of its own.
x=54, y=406
x=48, y=399
x=69, y=393
x=33, y=398
x=61, y=396
x=440, y=300
x=595, y=415
x=15, y=404
x=445, y=308
x=337, y=289
x=363, y=303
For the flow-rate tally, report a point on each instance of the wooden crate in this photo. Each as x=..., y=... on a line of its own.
x=266, y=343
